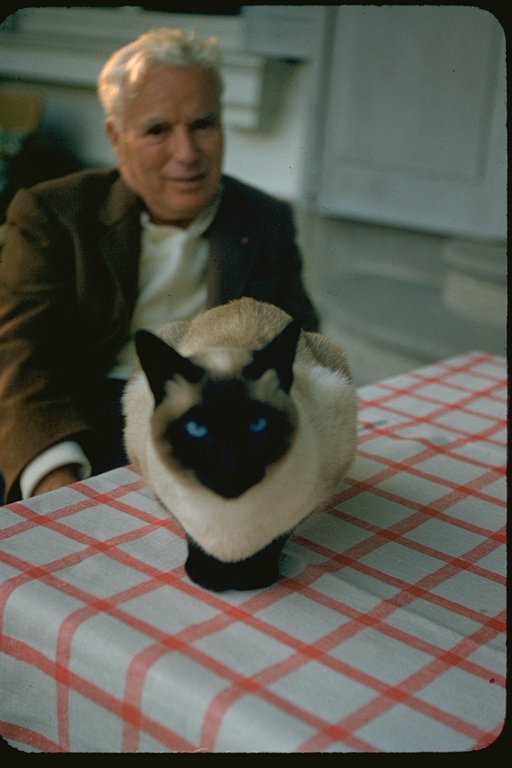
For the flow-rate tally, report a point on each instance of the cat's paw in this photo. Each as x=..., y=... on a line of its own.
x=255, y=572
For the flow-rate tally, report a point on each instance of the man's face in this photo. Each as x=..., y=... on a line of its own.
x=170, y=147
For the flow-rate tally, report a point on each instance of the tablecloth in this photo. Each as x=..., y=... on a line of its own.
x=386, y=632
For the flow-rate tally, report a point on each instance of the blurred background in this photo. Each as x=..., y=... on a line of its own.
x=384, y=126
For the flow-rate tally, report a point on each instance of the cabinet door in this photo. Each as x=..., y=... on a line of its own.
x=415, y=131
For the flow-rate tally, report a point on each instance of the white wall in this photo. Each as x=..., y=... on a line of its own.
x=274, y=159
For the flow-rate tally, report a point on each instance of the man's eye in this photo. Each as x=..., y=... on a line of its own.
x=208, y=121
x=156, y=130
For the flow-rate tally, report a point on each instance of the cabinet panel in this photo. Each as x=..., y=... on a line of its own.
x=415, y=121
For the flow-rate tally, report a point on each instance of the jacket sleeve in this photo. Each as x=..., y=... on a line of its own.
x=37, y=342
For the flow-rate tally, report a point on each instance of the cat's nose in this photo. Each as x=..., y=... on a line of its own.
x=235, y=482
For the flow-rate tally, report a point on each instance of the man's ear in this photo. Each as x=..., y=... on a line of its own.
x=112, y=132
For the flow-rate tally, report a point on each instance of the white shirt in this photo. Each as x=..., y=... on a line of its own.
x=172, y=279
x=172, y=286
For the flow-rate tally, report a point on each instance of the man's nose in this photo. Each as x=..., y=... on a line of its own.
x=183, y=145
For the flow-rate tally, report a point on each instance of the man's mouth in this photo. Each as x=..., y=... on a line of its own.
x=187, y=180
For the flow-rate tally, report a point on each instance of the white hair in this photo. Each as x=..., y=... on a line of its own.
x=126, y=70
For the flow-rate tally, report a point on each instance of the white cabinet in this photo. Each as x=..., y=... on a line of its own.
x=415, y=123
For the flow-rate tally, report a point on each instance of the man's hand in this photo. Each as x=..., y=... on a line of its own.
x=57, y=478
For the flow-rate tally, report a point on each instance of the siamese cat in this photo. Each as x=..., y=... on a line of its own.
x=242, y=424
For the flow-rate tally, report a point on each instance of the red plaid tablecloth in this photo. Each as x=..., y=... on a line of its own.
x=386, y=632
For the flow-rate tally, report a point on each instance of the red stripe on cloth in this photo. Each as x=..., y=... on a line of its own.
x=34, y=519
x=409, y=591
x=344, y=730
x=29, y=737
x=403, y=693
x=415, y=381
x=22, y=651
x=399, y=533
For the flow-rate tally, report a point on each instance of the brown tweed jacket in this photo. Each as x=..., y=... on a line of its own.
x=68, y=286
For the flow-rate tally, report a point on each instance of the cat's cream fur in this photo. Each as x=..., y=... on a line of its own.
x=322, y=399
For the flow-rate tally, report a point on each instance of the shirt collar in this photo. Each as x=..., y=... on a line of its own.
x=197, y=226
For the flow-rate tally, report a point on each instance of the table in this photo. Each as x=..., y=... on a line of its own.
x=386, y=632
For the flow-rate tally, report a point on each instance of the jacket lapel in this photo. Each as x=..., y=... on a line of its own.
x=120, y=243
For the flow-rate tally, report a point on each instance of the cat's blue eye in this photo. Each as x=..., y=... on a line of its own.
x=259, y=424
x=196, y=429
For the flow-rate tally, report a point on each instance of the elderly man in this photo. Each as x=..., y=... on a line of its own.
x=93, y=256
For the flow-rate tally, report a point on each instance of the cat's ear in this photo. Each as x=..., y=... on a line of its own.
x=278, y=355
x=160, y=362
